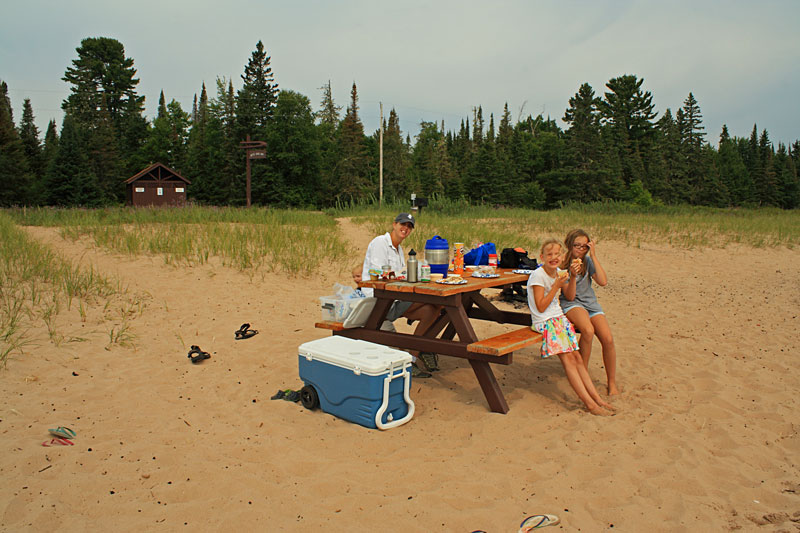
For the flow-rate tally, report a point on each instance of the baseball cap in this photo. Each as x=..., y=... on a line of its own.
x=405, y=217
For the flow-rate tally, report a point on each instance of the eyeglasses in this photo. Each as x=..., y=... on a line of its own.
x=581, y=246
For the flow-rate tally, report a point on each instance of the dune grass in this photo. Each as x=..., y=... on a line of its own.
x=36, y=285
x=681, y=226
x=289, y=241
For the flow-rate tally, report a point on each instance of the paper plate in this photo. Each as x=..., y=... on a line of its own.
x=522, y=271
x=479, y=275
x=446, y=282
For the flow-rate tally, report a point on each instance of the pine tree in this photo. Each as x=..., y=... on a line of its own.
x=627, y=112
x=702, y=178
x=477, y=126
x=351, y=173
x=14, y=171
x=167, y=142
x=293, y=156
x=101, y=72
x=428, y=159
x=786, y=179
x=583, y=136
x=133, y=138
x=29, y=135
x=765, y=180
x=732, y=170
x=395, y=160
x=328, y=113
x=104, y=160
x=258, y=96
x=505, y=129
x=692, y=134
x=71, y=182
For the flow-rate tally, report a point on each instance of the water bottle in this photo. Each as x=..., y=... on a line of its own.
x=413, y=265
x=425, y=271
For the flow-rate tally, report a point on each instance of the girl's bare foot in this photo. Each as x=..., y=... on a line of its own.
x=599, y=411
x=612, y=389
x=606, y=405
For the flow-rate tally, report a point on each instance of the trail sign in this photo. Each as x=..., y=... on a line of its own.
x=253, y=150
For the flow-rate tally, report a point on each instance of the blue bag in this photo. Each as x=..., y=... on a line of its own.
x=480, y=255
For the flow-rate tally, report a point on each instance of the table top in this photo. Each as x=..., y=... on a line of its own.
x=442, y=289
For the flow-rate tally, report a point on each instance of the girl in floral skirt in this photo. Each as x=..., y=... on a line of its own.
x=558, y=334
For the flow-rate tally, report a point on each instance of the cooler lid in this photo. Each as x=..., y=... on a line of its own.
x=357, y=355
x=436, y=243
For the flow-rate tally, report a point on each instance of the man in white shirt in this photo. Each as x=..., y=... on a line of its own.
x=384, y=250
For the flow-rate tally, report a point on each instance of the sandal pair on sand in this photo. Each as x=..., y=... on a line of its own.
x=198, y=356
x=62, y=436
x=245, y=332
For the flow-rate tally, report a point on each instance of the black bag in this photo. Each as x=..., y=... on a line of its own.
x=511, y=258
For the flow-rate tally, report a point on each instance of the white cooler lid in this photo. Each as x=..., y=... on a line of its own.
x=363, y=356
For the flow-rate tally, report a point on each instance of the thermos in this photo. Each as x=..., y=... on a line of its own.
x=412, y=267
x=437, y=254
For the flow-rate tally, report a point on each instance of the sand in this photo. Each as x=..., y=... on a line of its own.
x=706, y=438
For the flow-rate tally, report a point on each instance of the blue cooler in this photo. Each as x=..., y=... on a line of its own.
x=437, y=254
x=359, y=381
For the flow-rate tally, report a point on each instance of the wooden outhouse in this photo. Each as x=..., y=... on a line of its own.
x=156, y=185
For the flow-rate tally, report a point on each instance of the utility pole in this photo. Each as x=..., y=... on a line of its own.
x=380, y=162
x=254, y=150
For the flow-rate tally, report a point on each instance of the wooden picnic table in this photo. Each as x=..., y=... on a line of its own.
x=452, y=333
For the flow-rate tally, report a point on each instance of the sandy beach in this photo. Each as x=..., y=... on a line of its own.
x=706, y=438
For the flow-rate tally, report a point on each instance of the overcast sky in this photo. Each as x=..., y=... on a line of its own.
x=432, y=60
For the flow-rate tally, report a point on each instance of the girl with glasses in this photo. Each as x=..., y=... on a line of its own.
x=579, y=302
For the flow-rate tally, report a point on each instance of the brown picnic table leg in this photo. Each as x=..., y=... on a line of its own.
x=491, y=389
x=489, y=386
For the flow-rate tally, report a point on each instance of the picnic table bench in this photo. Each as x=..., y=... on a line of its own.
x=452, y=333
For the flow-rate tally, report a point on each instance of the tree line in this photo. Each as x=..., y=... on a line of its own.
x=615, y=147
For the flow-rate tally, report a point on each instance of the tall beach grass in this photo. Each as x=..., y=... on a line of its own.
x=681, y=226
x=36, y=285
x=290, y=241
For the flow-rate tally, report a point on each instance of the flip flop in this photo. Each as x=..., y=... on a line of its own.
x=431, y=360
x=197, y=355
x=62, y=432
x=417, y=372
x=58, y=442
x=538, y=521
x=278, y=395
x=291, y=395
x=245, y=332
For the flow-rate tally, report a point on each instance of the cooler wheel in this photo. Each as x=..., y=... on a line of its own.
x=309, y=397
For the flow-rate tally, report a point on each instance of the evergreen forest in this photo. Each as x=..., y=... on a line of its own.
x=616, y=147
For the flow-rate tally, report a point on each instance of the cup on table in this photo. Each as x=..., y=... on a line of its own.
x=436, y=277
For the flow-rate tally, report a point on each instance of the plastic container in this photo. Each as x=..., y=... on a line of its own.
x=336, y=309
x=363, y=382
x=458, y=258
x=437, y=254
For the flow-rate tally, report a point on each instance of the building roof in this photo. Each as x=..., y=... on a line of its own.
x=157, y=172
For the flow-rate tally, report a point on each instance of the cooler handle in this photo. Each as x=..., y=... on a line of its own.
x=406, y=375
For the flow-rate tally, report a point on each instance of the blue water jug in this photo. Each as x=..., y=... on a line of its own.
x=437, y=254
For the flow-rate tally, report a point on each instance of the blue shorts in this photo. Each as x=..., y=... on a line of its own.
x=593, y=308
